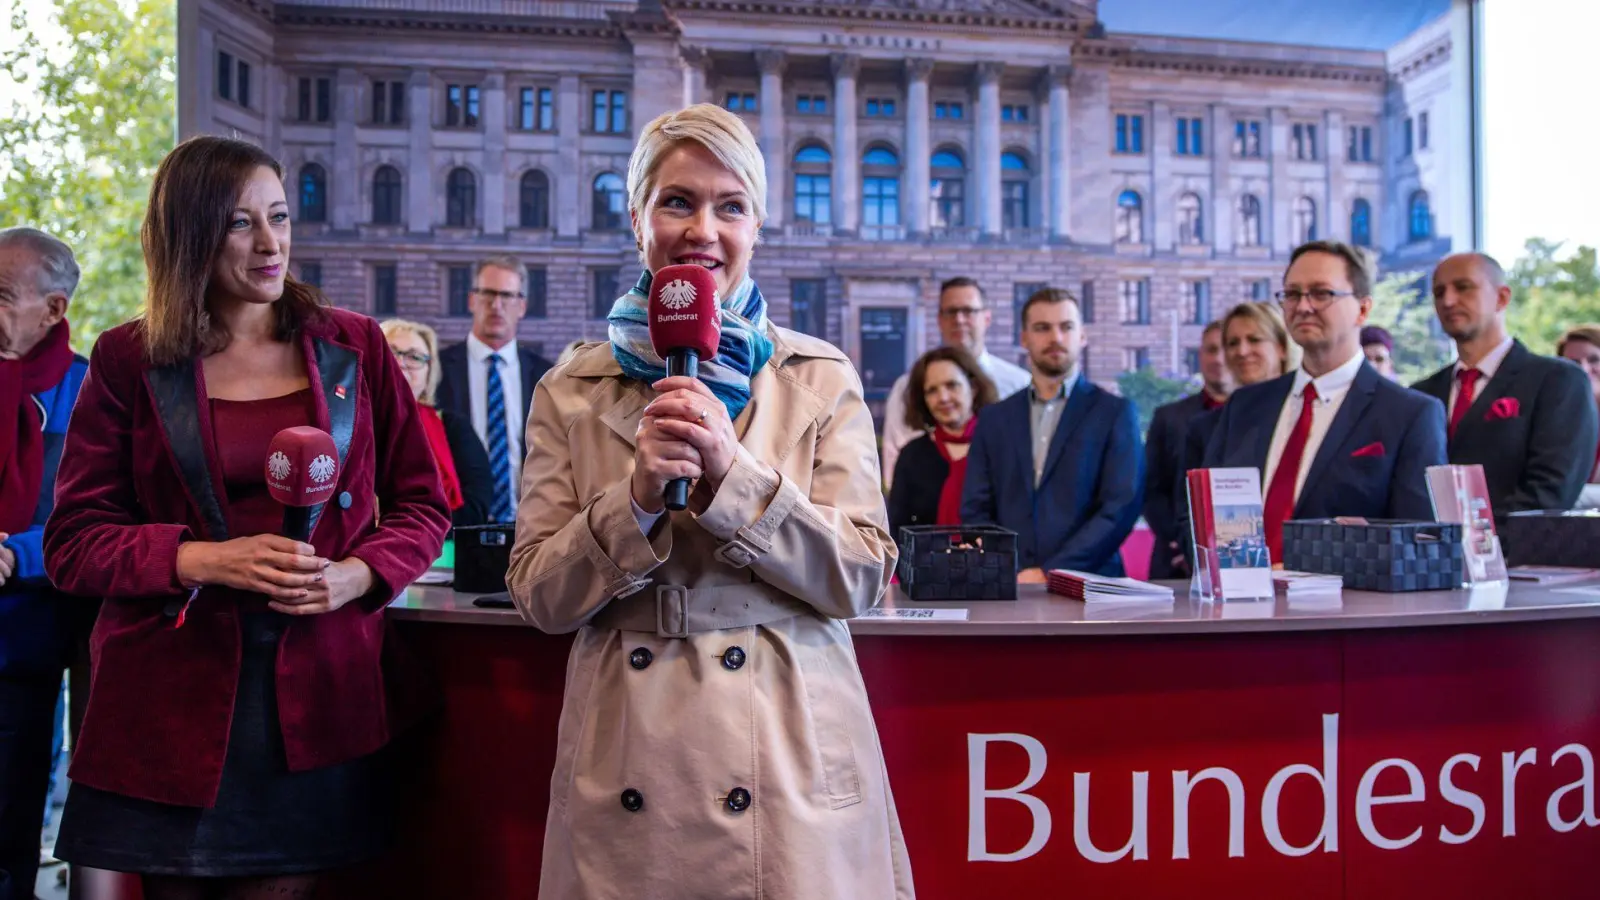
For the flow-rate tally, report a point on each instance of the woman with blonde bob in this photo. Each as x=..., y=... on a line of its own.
x=1256, y=348
x=715, y=738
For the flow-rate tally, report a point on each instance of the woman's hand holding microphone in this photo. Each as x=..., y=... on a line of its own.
x=684, y=433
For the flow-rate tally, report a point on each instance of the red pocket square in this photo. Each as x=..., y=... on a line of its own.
x=1504, y=408
x=1373, y=449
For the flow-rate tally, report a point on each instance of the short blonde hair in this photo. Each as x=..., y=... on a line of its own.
x=396, y=327
x=1587, y=333
x=1269, y=319
x=712, y=127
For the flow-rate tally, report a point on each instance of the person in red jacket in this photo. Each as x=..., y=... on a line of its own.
x=243, y=683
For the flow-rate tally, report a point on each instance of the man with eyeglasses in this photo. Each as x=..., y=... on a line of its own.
x=1333, y=438
x=489, y=378
x=964, y=318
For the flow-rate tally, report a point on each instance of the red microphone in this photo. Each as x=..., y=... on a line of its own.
x=302, y=472
x=685, y=326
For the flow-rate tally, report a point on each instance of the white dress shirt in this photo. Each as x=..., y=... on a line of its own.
x=1331, y=391
x=1008, y=378
x=478, y=354
x=1489, y=365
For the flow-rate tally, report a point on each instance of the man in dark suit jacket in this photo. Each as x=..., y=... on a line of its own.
x=1333, y=438
x=1164, y=450
x=1059, y=462
x=1528, y=420
x=498, y=300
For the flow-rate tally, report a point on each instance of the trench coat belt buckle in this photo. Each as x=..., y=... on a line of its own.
x=672, y=608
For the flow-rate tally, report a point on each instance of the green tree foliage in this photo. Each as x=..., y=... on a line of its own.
x=77, y=158
x=1402, y=303
x=1550, y=295
x=1149, y=389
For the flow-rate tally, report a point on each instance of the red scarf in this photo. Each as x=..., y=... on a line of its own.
x=434, y=426
x=21, y=427
x=950, y=494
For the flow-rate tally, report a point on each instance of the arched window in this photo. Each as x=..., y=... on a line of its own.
x=610, y=207
x=386, y=196
x=948, y=189
x=461, y=199
x=880, y=192
x=1015, y=177
x=1361, y=223
x=1130, y=218
x=1249, y=221
x=533, y=200
x=313, y=194
x=1305, y=220
x=813, y=185
x=1191, y=225
x=1420, y=216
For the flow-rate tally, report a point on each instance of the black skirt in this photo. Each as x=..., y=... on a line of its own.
x=266, y=821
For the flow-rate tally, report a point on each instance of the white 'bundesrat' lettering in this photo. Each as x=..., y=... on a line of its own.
x=1365, y=801
x=1464, y=799
x=978, y=796
x=1552, y=809
x=1138, y=842
x=1182, y=784
x=1328, y=777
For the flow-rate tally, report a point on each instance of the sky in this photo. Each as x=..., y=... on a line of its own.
x=1360, y=24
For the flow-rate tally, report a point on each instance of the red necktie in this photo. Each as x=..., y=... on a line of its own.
x=1468, y=379
x=1280, y=494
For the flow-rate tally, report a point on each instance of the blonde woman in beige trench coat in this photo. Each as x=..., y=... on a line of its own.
x=716, y=740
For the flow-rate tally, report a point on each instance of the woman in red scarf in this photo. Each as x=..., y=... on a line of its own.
x=463, y=463
x=945, y=392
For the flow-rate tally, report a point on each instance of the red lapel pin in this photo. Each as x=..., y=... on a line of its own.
x=338, y=391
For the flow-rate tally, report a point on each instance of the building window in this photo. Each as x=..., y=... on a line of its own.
x=1086, y=302
x=315, y=100
x=1135, y=359
x=533, y=200
x=461, y=106
x=950, y=109
x=808, y=306
x=224, y=74
x=610, y=110
x=1420, y=217
x=461, y=199
x=603, y=290
x=1305, y=220
x=1191, y=224
x=1361, y=223
x=388, y=102
x=458, y=290
x=1191, y=136
x=1303, y=141
x=1257, y=289
x=737, y=102
x=313, y=194
x=537, y=291
x=811, y=104
x=1197, y=302
x=1015, y=179
x=1130, y=134
x=880, y=107
x=1013, y=112
x=1130, y=218
x=1249, y=221
x=948, y=190
x=385, y=301
x=1422, y=131
x=536, y=109
x=880, y=193
x=311, y=273
x=1409, y=135
x=1247, y=139
x=386, y=196
x=1020, y=292
x=813, y=185
x=610, y=203
x=1191, y=361
x=1136, y=301
x=1360, y=149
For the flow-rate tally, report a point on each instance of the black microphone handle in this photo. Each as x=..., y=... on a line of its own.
x=297, y=523
x=686, y=363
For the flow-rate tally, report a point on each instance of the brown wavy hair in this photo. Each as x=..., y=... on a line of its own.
x=918, y=415
x=191, y=203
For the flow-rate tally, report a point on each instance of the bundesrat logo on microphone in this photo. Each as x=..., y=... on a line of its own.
x=321, y=468
x=678, y=294
x=279, y=466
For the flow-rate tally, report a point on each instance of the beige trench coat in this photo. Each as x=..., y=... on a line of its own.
x=701, y=755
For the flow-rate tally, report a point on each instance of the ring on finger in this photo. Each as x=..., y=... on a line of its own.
x=701, y=419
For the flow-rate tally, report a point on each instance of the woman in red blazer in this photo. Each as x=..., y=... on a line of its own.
x=243, y=683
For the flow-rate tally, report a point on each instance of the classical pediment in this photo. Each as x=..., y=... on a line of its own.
x=1069, y=14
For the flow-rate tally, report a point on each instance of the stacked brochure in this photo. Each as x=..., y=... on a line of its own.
x=1096, y=589
x=1306, y=584
x=1230, y=542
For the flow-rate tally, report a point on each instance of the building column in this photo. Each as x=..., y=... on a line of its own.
x=846, y=153
x=1060, y=151
x=695, y=63
x=344, y=175
x=1224, y=203
x=420, y=205
x=1280, y=230
x=570, y=188
x=987, y=147
x=492, y=193
x=1335, y=212
x=918, y=153
x=1161, y=231
x=773, y=147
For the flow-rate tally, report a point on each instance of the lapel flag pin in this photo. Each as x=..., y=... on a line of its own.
x=338, y=391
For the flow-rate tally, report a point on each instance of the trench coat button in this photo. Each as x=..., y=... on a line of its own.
x=632, y=800
x=733, y=658
x=344, y=500
x=641, y=658
x=738, y=800
x=172, y=609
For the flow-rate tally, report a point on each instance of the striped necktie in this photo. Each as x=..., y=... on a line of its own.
x=499, y=444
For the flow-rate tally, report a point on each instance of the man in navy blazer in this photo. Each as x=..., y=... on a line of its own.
x=1529, y=420
x=1058, y=463
x=1363, y=442
x=1165, y=487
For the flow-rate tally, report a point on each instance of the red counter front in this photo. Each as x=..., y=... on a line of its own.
x=1398, y=746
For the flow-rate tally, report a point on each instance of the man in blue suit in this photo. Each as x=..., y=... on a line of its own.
x=1060, y=462
x=39, y=381
x=1333, y=438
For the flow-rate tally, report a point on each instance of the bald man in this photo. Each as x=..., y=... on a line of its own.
x=1529, y=420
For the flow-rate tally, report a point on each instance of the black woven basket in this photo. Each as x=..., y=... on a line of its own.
x=1378, y=556
x=954, y=562
x=483, y=554
x=1551, y=538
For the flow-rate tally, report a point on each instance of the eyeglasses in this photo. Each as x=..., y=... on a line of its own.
x=956, y=312
x=492, y=295
x=410, y=359
x=1320, y=297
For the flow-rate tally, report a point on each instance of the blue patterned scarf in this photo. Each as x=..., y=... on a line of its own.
x=741, y=351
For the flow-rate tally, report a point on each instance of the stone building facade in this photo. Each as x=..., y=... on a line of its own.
x=907, y=141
